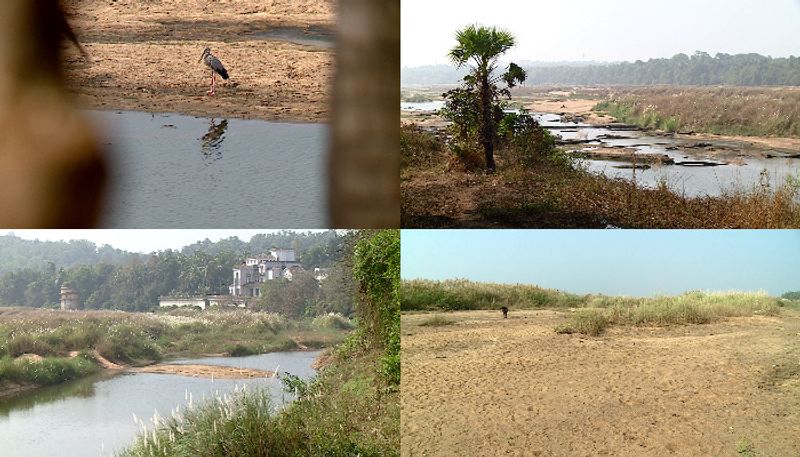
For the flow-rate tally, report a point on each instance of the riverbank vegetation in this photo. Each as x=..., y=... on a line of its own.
x=589, y=314
x=720, y=110
x=44, y=371
x=541, y=187
x=352, y=408
x=40, y=346
x=135, y=338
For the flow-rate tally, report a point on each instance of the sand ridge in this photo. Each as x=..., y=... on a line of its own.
x=487, y=386
x=205, y=371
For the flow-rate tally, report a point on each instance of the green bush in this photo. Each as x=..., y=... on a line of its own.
x=377, y=268
x=240, y=350
x=671, y=124
x=47, y=371
x=27, y=344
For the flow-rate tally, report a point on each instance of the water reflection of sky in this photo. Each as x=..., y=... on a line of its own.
x=175, y=171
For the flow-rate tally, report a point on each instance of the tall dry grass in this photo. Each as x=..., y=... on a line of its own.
x=769, y=111
x=695, y=307
x=460, y=294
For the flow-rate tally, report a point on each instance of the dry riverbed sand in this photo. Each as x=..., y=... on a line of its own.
x=144, y=56
x=485, y=386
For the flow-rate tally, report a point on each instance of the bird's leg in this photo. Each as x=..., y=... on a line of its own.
x=211, y=92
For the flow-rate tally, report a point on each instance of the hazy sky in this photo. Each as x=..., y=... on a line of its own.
x=140, y=240
x=613, y=262
x=607, y=30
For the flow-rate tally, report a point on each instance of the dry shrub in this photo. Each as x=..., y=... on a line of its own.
x=419, y=148
x=549, y=196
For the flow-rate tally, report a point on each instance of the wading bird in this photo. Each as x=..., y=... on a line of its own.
x=216, y=68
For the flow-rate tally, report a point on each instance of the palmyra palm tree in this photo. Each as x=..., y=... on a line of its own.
x=483, y=46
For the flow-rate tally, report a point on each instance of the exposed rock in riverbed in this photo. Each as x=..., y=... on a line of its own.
x=699, y=163
x=624, y=155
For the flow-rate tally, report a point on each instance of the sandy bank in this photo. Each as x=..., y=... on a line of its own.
x=487, y=386
x=205, y=371
x=145, y=57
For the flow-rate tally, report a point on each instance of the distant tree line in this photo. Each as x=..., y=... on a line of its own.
x=697, y=69
x=205, y=267
x=791, y=295
x=17, y=253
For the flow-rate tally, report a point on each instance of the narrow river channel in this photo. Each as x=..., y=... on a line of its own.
x=94, y=416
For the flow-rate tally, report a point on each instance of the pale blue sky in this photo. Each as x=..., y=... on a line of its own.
x=614, y=262
x=607, y=30
x=141, y=240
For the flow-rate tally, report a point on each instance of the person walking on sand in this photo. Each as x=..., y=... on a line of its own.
x=504, y=309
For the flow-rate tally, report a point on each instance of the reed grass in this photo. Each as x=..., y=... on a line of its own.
x=461, y=294
x=751, y=111
x=695, y=307
x=138, y=337
x=345, y=412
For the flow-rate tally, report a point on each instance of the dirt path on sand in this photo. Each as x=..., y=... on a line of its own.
x=487, y=386
x=144, y=57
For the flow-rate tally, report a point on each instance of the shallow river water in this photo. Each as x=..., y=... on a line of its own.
x=176, y=171
x=735, y=172
x=94, y=416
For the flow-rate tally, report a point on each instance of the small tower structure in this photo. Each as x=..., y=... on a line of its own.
x=69, y=298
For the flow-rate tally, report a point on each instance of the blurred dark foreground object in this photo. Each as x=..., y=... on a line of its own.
x=52, y=172
x=364, y=165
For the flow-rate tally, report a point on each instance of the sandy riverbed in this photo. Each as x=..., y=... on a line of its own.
x=489, y=387
x=144, y=56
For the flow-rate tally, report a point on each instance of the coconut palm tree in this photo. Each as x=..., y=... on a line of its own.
x=480, y=48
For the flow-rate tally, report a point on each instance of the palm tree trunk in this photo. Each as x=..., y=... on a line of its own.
x=487, y=122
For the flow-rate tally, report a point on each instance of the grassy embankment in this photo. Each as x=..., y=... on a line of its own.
x=137, y=338
x=440, y=188
x=589, y=314
x=720, y=110
x=351, y=409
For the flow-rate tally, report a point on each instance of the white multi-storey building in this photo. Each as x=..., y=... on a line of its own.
x=247, y=278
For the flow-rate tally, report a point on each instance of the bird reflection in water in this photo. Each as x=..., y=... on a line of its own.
x=212, y=141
